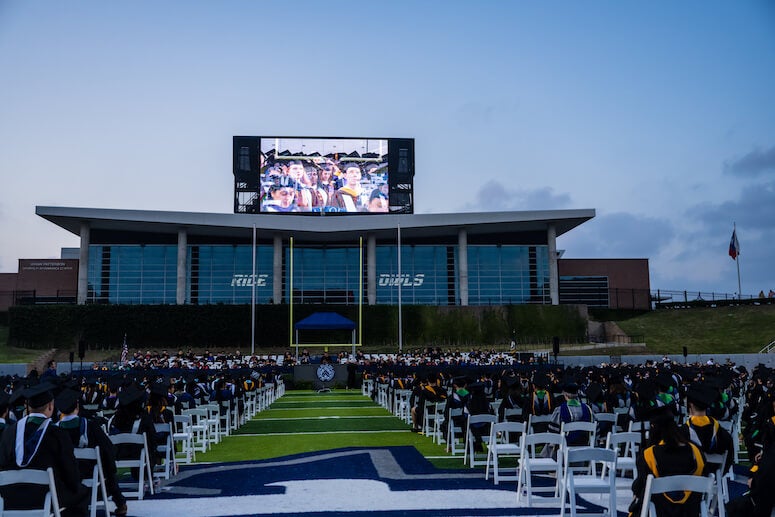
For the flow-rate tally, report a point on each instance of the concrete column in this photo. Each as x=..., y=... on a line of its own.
x=83, y=264
x=277, y=271
x=371, y=269
x=462, y=266
x=554, y=278
x=180, y=291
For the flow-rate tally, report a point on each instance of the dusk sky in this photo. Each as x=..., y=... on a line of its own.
x=659, y=115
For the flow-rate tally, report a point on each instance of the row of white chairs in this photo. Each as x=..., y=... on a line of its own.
x=197, y=429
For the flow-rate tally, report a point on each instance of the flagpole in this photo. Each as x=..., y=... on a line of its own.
x=400, y=281
x=253, y=300
x=737, y=262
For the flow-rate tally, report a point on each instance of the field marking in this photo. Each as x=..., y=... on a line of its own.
x=326, y=408
x=319, y=418
x=318, y=432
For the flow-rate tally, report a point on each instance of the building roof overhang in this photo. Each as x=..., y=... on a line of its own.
x=327, y=228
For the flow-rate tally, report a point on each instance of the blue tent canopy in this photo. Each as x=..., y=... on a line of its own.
x=325, y=321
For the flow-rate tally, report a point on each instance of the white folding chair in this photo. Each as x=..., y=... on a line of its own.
x=566, y=428
x=591, y=483
x=505, y=442
x=721, y=494
x=538, y=423
x=636, y=426
x=661, y=485
x=532, y=461
x=732, y=427
x=366, y=387
x=454, y=445
x=44, y=478
x=470, y=455
x=214, y=421
x=166, y=452
x=96, y=483
x=512, y=412
x=183, y=435
x=609, y=418
x=141, y=462
x=626, y=446
x=200, y=427
x=437, y=421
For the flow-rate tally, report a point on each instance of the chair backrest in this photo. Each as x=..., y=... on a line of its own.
x=34, y=477
x=698, y=484
x=531, y=440
x=606, y=417
x=636, y=426
x=590, y=454
x=506, y=430
x=630, y=439
x=576, y=430
x=537, y=419
x=515, y=411
x=484, y=418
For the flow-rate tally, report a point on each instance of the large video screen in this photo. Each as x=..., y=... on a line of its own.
x=321, y=175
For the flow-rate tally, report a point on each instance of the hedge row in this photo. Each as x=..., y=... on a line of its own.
x=216, y=326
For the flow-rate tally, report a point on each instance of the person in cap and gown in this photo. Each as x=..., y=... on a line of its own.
x=131, y=417
x=478, y=405
x=705, y=431
x=759, y=501
x=87, y=433
x=513, y=399
x=5, y=402
x=572, y=410
x=668, y=453
x=34, y=443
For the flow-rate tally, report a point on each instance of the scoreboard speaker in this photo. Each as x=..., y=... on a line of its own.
x=555, y=345
x=81, y=349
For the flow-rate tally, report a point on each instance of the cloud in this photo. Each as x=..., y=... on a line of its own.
x=494, y=196
x=752, y=164
x=619, y=235
x=754, y=209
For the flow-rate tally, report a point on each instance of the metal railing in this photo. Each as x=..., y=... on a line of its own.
x=768, y=349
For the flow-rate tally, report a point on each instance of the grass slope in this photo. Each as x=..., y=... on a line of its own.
x=731, y=330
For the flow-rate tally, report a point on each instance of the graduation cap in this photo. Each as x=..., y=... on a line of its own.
x=594, y=392
x=115, y=382
x=66, y=401
x=702, y=395
x=476, y=387
x=512, y=381
x=571, y=388
x=659, y=413
x=665, y=380
x=131, y=396
x=460, y=381
x=541, y=381
x=646, y=390
x=39, y=395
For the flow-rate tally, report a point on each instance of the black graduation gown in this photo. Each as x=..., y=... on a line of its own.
x=96, y=437
x=55, y=451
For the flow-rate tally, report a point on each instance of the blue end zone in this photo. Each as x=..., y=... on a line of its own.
x=399, y=471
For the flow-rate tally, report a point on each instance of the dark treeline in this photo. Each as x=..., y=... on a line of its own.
x=183, y=326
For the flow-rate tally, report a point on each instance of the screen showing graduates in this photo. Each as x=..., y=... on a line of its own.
x=323, y=175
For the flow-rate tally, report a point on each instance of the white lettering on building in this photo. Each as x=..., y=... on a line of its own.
x=406, y=280
x=247, y=280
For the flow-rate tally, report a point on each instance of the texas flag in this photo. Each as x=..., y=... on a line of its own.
x=734, y=246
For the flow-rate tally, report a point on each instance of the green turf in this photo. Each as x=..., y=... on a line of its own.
x=321, y=412
x=316, y=425
x=237, y=448
x=287, y=429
